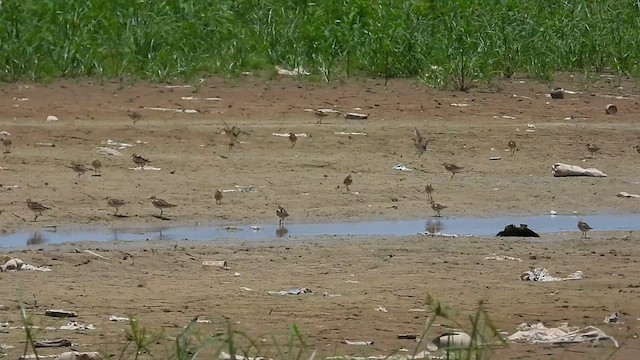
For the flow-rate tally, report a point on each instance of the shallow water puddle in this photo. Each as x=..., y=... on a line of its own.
x=450, y=225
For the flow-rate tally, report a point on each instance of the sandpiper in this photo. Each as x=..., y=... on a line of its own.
x=320, y=114
x=282, y=214
x=348, y=181
x=293, y=138
x=419, y=142
x=37, y=208
x=139, y=160
x=7, y=145
x=593, y=150
x=96, y=164
x=78, y=168
x=512, y=146
x=437, y=207
x=452, y=168
x=218, y=197
x=232, y=143
x=429, y=190
x=584, y=227
x=134, y=115
x=160, y=204
x=116, y=203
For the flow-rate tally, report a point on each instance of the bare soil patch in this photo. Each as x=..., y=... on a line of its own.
x=167, y=287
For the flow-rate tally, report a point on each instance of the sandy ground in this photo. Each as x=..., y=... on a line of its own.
x=307, y=179
x=166, y=287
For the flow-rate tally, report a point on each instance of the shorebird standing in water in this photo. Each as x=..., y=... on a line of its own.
x=584, y=227
x=437, y=207
x=282, y=214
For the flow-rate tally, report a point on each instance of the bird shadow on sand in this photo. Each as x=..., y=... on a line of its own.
x=120, y=215
x=161, y=217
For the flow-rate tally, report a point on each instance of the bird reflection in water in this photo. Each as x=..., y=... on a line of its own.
x=281, y=231
x=36, y=239
x=434, y=226
x=162, y=237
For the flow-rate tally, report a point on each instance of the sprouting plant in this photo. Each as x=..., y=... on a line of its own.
x=483, y=334
x=141, y=339
x=189, y=343
x=27, y=322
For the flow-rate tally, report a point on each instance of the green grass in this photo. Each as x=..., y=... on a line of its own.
x=193, y=342
x=453, y=44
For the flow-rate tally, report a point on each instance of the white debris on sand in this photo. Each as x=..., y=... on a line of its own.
x=186, y=111
x=19, y=265
x=563, y=170
x=119, y=145
x=542, y=275
x=441, y=234
x=401, y=167
x=627, y=195
x=502, y=258
x=350, y=133
x=108, y=151
x=304, y=135
x=118, y=318
x=418, y=356
x=291, y=292
x=295, y=72
x=358, y=342
x=74, y=325
x=562, y=335
x=146, y=167
x=75, y=355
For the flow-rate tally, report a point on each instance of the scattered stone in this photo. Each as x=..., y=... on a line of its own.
x=60, y=313
x=356, y=116
x=52, y=343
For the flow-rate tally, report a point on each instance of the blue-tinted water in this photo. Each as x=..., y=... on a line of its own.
x=451, y=225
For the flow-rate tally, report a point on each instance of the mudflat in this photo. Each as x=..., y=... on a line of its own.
x=164, y=285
